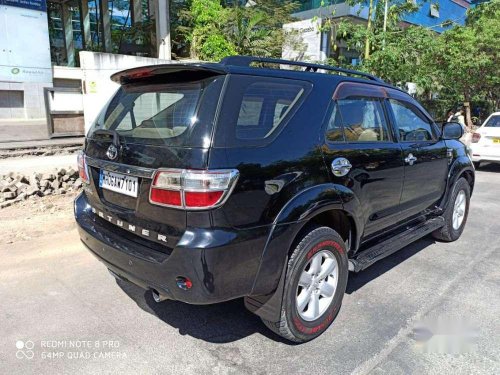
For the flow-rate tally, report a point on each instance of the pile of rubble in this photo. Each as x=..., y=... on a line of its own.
x=16, y=187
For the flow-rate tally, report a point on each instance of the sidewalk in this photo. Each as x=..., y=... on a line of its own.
x=39, y=164
x=31, y=134
x=54, y=142
x=23, y=130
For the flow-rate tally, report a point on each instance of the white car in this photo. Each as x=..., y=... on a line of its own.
x=485, y=144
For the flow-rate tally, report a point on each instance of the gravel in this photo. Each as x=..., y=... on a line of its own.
x=16, y=187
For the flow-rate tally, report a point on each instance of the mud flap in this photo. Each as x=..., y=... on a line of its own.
x=268, y=307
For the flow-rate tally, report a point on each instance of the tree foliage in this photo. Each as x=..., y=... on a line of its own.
x=467, y=58
x=214, y=31
x=207, y=39
x=462, y=63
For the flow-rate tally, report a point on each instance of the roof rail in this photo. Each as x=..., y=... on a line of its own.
x=309, y=67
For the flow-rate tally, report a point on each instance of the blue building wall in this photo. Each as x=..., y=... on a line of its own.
x=448, y=10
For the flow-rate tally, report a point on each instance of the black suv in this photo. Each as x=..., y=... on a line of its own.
x=264, y=179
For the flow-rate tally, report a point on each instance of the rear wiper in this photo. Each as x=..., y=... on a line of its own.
x=112, y=133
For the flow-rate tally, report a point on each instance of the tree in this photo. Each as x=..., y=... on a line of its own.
x=207, y=40
x=405, y=58
x=378, y=22
x=258, y=29
x=214, y=31
x=466, y=58
x=461, y=64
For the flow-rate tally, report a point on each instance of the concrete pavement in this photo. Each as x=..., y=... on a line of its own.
x=54, y=295
x=23, y=130
x=16, y=134
x=39, y=164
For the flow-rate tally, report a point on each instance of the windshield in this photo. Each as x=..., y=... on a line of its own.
x=493, y=122
x=173, y=114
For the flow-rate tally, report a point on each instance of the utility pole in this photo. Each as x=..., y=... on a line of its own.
x=368, y=30
x=162, y=20
x=386, y=10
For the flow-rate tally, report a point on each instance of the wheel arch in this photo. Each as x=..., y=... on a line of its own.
x=470, y=176
x=315, y=206
x=337, y=219
x=461, y=167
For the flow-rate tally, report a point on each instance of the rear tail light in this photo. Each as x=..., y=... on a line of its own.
x=192, y=189
x=83, y=170
x=476, y=137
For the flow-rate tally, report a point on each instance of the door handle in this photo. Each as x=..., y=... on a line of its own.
x=410, y=159
x=341, y=167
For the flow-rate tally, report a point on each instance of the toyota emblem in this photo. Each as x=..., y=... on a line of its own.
x=112, y=152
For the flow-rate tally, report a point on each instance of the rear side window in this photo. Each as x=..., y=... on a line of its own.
x=493, y=122
x=363, y=120
x=173, y=114
x=334, y=129
x=255, y=109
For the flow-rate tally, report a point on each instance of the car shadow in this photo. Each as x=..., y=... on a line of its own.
x=218, y=323
x=489, y=167
x=230, y=321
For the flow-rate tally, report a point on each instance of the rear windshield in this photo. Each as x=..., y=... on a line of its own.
x=493, y=122
x=171, y=114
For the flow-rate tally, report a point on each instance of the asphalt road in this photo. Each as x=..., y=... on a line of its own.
x=61, y=312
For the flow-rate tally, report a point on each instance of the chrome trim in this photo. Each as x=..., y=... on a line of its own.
x=341, y=167
x=225, y=195
x=130, y=170
x=410, y=159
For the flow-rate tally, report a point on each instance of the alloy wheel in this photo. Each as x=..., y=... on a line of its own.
x=317, y=285
x=459, y=210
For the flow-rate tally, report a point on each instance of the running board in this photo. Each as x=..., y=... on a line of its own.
x=369, y=256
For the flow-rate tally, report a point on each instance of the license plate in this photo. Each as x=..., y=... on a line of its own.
x=119, y=183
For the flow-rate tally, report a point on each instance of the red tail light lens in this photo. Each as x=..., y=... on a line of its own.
x=476, y=137
x=202, y=199
x=166, y=197
x=83, y=171
x=192, y=189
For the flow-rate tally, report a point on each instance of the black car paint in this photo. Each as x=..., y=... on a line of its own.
x=241, y=248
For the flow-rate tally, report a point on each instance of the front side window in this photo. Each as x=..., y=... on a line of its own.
x=363, y=120
x=411, y=125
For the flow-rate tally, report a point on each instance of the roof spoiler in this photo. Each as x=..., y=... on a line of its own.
x=182, y=73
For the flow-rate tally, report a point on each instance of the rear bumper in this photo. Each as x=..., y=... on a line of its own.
x=485, y=153
x=222, y=264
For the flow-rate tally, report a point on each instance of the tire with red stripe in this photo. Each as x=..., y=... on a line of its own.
x=297, y=323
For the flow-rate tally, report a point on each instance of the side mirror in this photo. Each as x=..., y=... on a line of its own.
x=452, y=130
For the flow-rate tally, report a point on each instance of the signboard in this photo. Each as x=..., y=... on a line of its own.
x=24, y=55
x=303, y=40
x=39, y=5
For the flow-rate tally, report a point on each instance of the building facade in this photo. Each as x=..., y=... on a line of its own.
x=40, y=76
x=437, y=15
x=433, y=14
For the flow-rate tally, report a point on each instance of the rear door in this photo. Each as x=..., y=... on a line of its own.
x=358, y=133
x=161, y=121
x=424, y=153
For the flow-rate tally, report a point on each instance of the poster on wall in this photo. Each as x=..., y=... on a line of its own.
x=303, y=40
x=24, y=56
